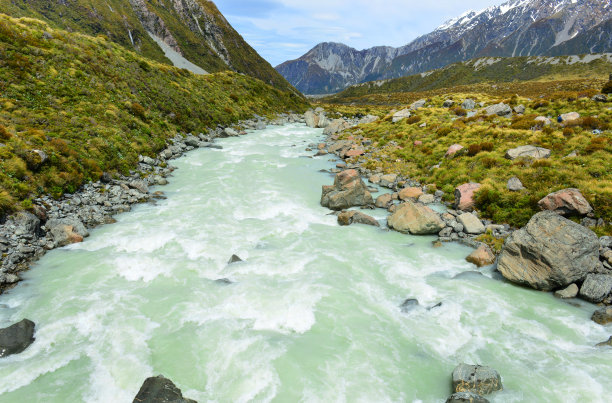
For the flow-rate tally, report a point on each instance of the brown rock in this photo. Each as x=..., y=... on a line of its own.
x=356, y=217
x=603, y=316
x=566, y=201
x=384, y=200
x=348, y=191
x=355, y=152
x=410, y=193
x=416, y=219
x=464, y=196
x=483, y=256
x=452, y=150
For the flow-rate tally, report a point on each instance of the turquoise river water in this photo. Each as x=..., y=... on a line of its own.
x=312, y=314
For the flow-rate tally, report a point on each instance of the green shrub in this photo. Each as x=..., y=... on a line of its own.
x=607, y=88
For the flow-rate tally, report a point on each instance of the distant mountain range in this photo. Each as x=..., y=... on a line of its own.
x=194, y=30
x=515, y=28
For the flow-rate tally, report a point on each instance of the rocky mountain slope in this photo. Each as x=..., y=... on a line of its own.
x=194, y=29
x=515, y=28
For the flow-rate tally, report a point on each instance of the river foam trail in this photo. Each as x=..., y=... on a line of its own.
x=312, y=314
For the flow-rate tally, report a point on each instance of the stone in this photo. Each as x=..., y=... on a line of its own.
x=545, y=121
x=600, y=98
x=384, y=200
x=464, y=196
x=106, y=177
x=549, y=253
x=452, y=150
x=229, y=132
x=466, y=397
x=139, y=185
x=571, y=291
x=234, y=259
x=603, y=316
x=418, y=104
x=468, y=104
x=261, y=125
x=323, y=121
x=416, y=219
x=355, y=152
x=476, y=379
x=596, y=287
x=191, y=141
x=356, y=217
x=336, y=126
x=537, y=153
x=26, y=223
x=66, y=231
x=605, y=343
x=519, y=109
x=410, y=193
x=471, y=224
x=514, y=184
x=409, y=304
x=375, y=179
x=426, y=199
x=388, y=180
x=16, y=338
x=448, y=103
x=312, y=120
x=401, y=115
x=500, y=109
x=36, y=159
x=348, y=191
x=566, y=201
x=568, y=117
x=159, y=389
x=483, y=256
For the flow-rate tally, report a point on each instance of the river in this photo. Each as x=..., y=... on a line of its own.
x=312, y=314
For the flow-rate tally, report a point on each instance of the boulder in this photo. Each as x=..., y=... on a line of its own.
x=340, y=145
x=354, y=152
x=566, y=201
x=448, y=103
x=312, y=120
x=476, y=379
x=452, y=150
x=471, y=224
x=549, y=253
x=605, y=343
x=348, y=191
x=401, y=115
x=368, y=119
x=66, y=231
x=139, y=185
x=36, y=159
x=410, y=193
x=416, y=219
x=603, y=316
x=464, y=196
x=545, y=121
x=229, y=132
x=234, y=259
x=409, y=304
x=323, y=121
x=160, y=390
x=418, y=104
x=375, y=179
x=356, y=217
x=537, y=153
x=514, y=184
x=260, y=125
x=16, y=338
x=426, y=198
x=26, y=223
x=596, y=287
x=571, y=291
x=568, y=117
x=600, y=98
x=483, y=256
x=336, y=126
x=388, y=180
x=191, y=141
x=468, y=104
x=466, y=397
x=501, y=109
x=519, y=109
x=384, y=200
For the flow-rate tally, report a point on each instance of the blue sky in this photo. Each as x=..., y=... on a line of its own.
x=281, y=30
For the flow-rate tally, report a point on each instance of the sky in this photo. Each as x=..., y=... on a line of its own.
x=283, y=30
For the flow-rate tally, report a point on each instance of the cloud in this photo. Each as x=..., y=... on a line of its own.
x=269, y=25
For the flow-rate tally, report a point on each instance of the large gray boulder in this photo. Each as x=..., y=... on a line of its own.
x=26, y=223
x=401, y=115
x=312, y=120
x=501, y=109
x=160, y=390
x=471, y=223
x=466, y=397
x=549, y=253
x=66, y=231
x=596, y=287
x=16, y=338
x=476, y=379
x=537, y=153
x=348, y=191
x=336, y=126
x=416, y=219
x=468, y=104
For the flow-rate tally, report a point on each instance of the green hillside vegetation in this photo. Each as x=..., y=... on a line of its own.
x=92, y=106
x=486, y=140
x=114, y=18
x=487, y=71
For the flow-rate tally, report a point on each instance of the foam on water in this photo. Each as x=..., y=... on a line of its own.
x=313, y=313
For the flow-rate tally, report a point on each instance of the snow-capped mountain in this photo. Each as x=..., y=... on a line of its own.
x=515, y=28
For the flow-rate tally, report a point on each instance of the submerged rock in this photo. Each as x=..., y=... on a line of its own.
x=466, y=397
x=348, y=191
x=603, y=316
x=605, y=343
x=416, y=219
x=16, y=338
x=483, y=256
x=550, y=252
x=476, y=379
x=160, y=390
x=234, y=259
x=409, y=304
x=356, y=217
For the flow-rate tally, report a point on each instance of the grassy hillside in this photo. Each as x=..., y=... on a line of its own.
x=486, y=71
x=415, y=146
x=196, y=34
x=93, y=106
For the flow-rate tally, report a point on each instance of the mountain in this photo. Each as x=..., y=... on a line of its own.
x=190, y=33
x=515, y=28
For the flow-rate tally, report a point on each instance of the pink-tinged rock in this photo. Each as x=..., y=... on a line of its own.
x=483, y=256
x=410, y=193
x=418, y=143
x=452, y=150
x=464, y=196
x=566, y=201
x=355, y=152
